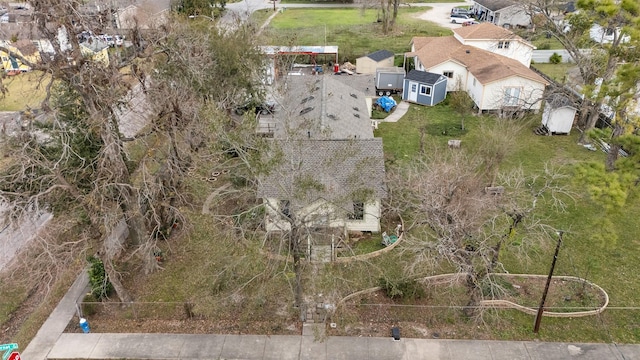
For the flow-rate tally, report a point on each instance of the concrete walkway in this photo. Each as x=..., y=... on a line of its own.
x=49, y=333
x=398, y=113
x=262, y=347
x=52, y=343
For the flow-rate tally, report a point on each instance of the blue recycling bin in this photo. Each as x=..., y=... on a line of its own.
x=84, y=325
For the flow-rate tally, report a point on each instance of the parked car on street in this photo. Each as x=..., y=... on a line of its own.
x=460, y=19
x=461, y=11
x=469, y=23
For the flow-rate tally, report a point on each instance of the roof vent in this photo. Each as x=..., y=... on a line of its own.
x=307, y=99
x=468, y=51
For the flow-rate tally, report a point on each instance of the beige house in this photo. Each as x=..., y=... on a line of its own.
x=493, y=81
x=497, y=40
x=369, y=63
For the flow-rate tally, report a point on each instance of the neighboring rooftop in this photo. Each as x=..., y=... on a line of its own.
x=484, y=65
x=380, y=55
x=423, y=76
x=486, y=31
x=495, y=5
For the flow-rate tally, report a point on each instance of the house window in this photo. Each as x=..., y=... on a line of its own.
x=448, y=74
x=414, y=87
x=285, y=208
x=503, y=44
x=358, y=211
x=511, y=96
x=474, y=81
x=425, y=90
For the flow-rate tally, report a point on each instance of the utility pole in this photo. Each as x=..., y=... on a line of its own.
x=536, y=327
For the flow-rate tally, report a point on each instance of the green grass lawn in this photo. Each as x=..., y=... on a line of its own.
x=24, y=90
x=355, y=31
x=557, y=72
x=609, y=263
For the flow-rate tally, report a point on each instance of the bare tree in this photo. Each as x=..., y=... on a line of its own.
x=597, y=60
x=316, y=170
x=73, y=159
x=453, y=216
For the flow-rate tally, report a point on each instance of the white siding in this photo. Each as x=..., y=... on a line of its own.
x=513, y=15
x=517, y=49
x=530, y=93
x=459, y=74
x=560, y=120
x=475, y=90
x=322, y=214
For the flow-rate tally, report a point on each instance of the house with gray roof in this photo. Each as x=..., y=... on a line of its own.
x=505, y=13
x=319, y=108
x=328, y=169
x=369, y=63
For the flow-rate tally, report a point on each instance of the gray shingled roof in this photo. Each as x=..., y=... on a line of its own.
x=321, y=107
x=556, y=101
x=339, y=171
x=380, y=55
x=423, y=76
x=495, y=5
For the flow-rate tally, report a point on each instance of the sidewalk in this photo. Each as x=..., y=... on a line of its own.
x=49, y=333
x=51, y=343
x=262, y=347
x=399, y=112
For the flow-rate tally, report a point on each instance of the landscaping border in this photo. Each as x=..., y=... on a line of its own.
x=534, y=311
x=505, y=304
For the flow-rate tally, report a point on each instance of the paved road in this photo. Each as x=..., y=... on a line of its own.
x=542, y=56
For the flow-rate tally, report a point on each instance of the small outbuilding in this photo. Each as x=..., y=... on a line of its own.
x=425, y=88
x=559, y=114
x=369, y=63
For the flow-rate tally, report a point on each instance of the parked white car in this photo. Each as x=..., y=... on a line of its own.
x=460, y=18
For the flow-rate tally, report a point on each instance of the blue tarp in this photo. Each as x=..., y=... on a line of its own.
x=386, y=103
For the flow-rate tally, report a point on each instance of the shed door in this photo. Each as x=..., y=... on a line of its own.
x=413, y=91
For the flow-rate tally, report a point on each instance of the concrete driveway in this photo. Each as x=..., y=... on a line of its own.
x=439, y=14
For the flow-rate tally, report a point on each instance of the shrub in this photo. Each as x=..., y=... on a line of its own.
x=544, y=45
x=100, y=285
x=402, y=288
x=555, y=58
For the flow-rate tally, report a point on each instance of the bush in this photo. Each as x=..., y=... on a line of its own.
x=544, y=46
x=555, y=58
x=100, y=285
x=402, y=288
